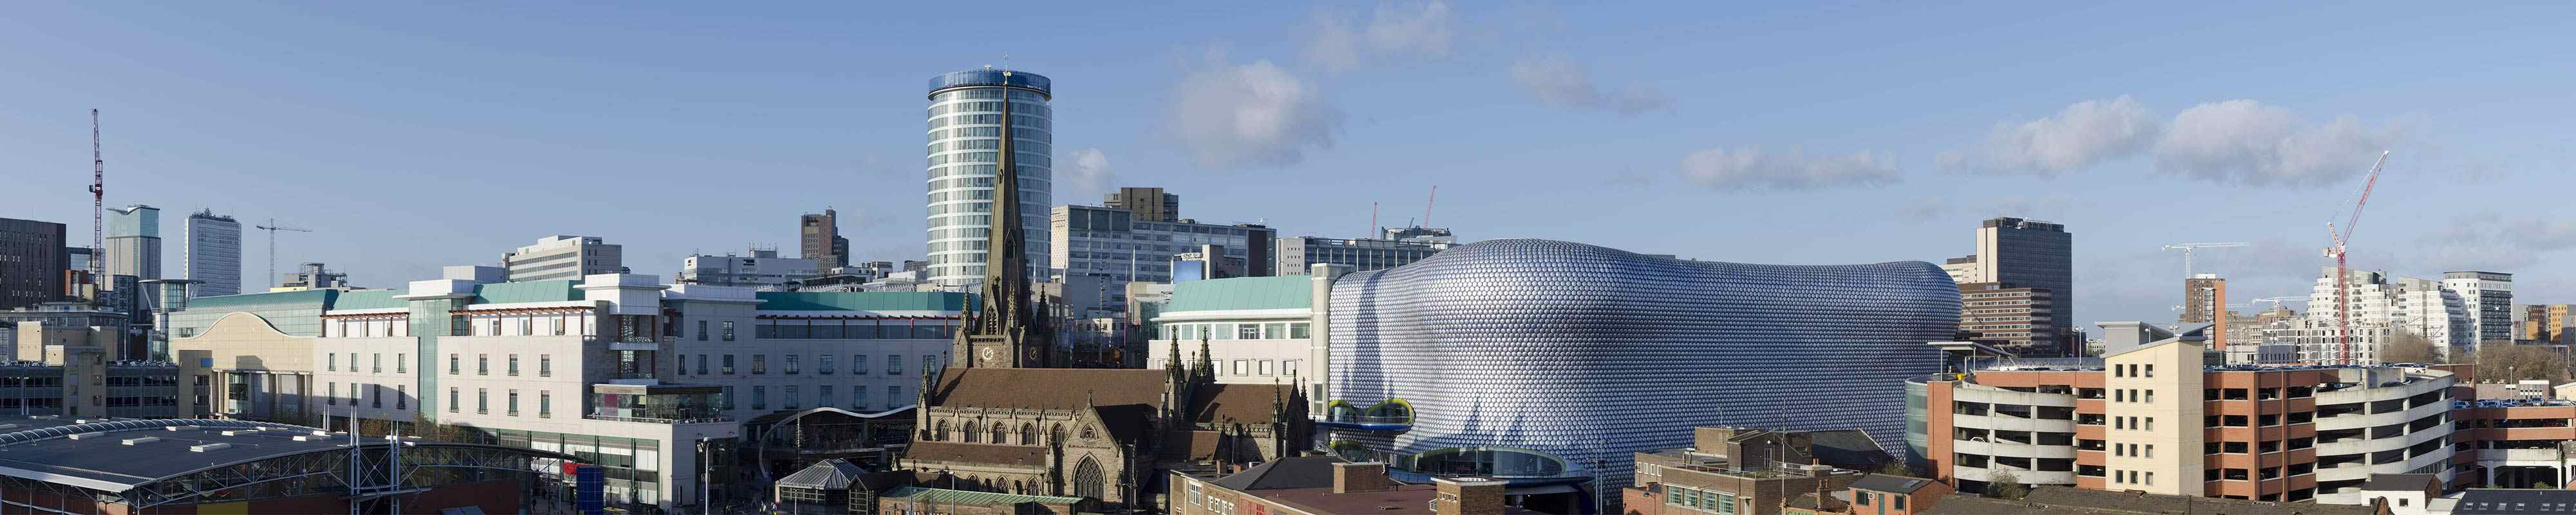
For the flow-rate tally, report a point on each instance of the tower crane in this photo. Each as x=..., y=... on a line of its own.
x=97, y=211
x=272, y=229
x=2187, y=247
x=2335, y=249
x=2276, y=301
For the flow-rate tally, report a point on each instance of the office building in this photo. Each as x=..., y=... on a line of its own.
x=965, y=137
x=1149, y=204
x=213, y=254
x=2016, y=320
x=2488, y=297
x=819, y=239
x=311, y=276
x=1419, y=235
x=763, y=268
x=1547, y=362
x=1119, y=246
x=1256, y=330
x=134, y=242
x=564, y=257
x=2150, y=416
x=1961, y=269
x=2030, y=254
x=1296, y=253
x=33, y=262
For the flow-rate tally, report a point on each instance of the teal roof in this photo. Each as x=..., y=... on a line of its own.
x=1283, y=292
x=314, y=298
x=861, y=301
x=370, y=299
x=938, y=496
x=531, y=291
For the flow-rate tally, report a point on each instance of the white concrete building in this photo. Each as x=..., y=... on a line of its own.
x=2381, y=307
x=213, y=255
x=1257, y=330
x=564, y=257
x=2488, y=297
x=761, y=268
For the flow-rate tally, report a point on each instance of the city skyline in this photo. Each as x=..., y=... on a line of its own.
x=414, y=135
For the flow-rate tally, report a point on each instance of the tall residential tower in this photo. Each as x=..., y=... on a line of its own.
x=819, y=237
x=213, y=254
x=134, y=242
x=2031, y=254
x=965, y=142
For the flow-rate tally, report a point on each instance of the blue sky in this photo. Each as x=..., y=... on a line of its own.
x=414, y=137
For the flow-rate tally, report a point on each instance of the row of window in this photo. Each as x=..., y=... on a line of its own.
x=483, y=364
x=1247, y=367
x=1236, y=331
x=375, y=362
x=794, y=364
x=1703, y=500
x=483, y=402
x=371, y=394
x=793, y=397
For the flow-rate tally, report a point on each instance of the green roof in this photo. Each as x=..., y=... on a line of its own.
x=861, y=301
x=531, y=291
x=1283, y=292
x=939, y=496
x=370, y=299
x=314, y=298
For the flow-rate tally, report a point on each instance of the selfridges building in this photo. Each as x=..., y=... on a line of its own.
x=1546, y=363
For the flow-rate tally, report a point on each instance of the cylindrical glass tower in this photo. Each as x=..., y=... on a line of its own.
x=965, y=141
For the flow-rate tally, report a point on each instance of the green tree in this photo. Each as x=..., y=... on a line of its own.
x=2408, y=347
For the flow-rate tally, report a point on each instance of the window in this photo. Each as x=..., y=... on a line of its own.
x=1288, y=367
x=330, y=361
x=482, y=401
x=728, y=397
x=894, y=394
x=482, y=364
x=823, y=365
x=333, y=397
x=376, y=395
x=728, y=330
x=759, y=364
x=1240, y=366
x=759, y=397
x=353, y=362
x=793, y=365
x=558, y=323
x=789, y=398
x=728, y=364
x=514, y=365
x=402, y=396
x=545, y=403
x=702, y=364
x=822, y=396
x=859, y=397
x=894, y=364
x=1297, y=330
x=402, y=363
x=2151, y=370
x=1247, y=331
x=702, y=332
x=514, y=402
x=451, y=399
x=1265, y=367
x=451, y=365
x=858, y=364
x=2151, y=396
x=545, y=365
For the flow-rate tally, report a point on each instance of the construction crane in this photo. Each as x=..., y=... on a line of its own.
x=272, y=229
x=2276, y=301
x=97, y=211
x=2335, y=249
x=2187, y=247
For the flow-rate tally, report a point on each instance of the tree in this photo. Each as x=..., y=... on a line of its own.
x=2520, y=362
x=1895, y=468
x=2004, y=485
x=2408, y=347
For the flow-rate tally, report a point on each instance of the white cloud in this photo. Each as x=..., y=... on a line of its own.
x=2249, y=143
x=1558, y=81
x=1751, y=168
x=1090, y=170
x=2078, y=136
x=1412, y=32
x=1254, y=114
x=2491, y=241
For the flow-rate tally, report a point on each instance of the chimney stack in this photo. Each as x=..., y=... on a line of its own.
x=1467, y=496
x=1359, y=477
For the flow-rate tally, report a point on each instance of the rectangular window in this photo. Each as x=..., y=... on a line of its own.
x=482, y=364
x=894, y=364
x=514, y=365
x=402, y=396
x=545, y=365
x=1265, y=367
x=823, y=365
x=1297, y=330
x=791, y=399
x=794, y=365
x=2151, y=370
x=375, y=395
x=557, y=323
x=929, y=363
x=759, y=397
x=728, y=330
x=1247, y=331
x=759, y=364
x=402, y=363
x=894, y=394
x=702, y=364
x=333, y=395
x=728, y=397
x=1240, y=365
x=859, y=397
x=451, y=399
x=451, y=365
x=822, y=396
x=728, y=364
x=514, y=402
x=330, y=361
x=482, y=401
x=545, y=404
x=702, y=331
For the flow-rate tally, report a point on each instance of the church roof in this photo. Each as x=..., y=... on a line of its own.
x=1238, y=403
x=1022, y=455
x=1048, y=388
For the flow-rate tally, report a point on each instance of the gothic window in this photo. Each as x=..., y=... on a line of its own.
x=971, y=434
x=1089, y=481
x=1001, y=433
x=1087, y=433
x=1028, y=434
x=1056, y=437
x=942, y=434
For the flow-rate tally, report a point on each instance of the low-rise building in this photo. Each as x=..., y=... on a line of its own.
x=62, y=464
x=763, y=268
x=1256, y=330
x=1322, y=485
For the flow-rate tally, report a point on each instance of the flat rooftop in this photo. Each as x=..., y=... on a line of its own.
x=95, y=453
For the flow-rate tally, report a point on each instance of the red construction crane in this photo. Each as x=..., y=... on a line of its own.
x=2336, y=241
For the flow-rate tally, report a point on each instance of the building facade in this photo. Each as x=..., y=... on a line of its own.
x=2381, y=309
x=2488, y=297
x=965, y=138
x=1120, y=247
x=564, y=257
x=1256, y=330
x=134, y=242
x=213, y=255
x=819, y=239
x=1545, y=362
x=2013, y=319
x=761, y=268
x=2034, y=254
x=1297, y=253
x=33, y=262
x=1149, y=204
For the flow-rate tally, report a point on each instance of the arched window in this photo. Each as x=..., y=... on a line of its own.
x=1001, y=433
x=1087, y=433
x=1089, y=480
x=941, y=434
x=1056, y=436
x=971, y=434
x=1028, y=434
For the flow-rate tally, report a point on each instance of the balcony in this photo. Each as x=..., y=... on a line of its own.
x=1368, y=423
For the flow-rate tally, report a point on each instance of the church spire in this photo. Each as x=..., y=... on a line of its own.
x=1207, y=362
x=1007, y=332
